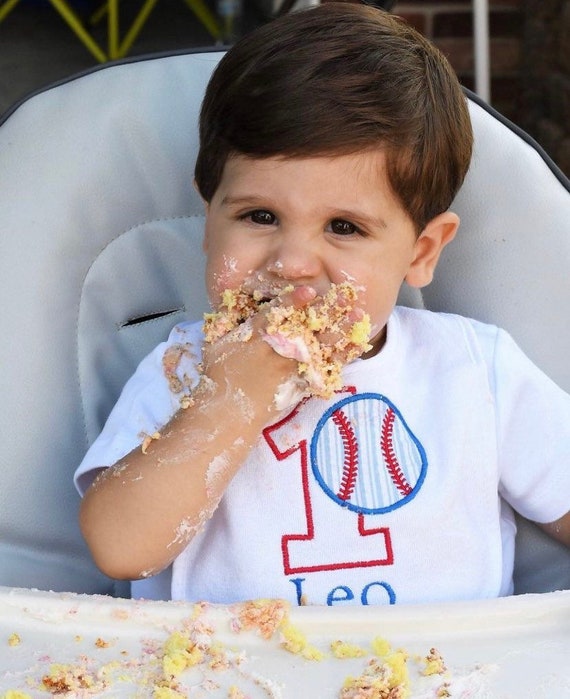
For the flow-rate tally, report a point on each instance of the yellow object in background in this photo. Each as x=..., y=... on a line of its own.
x=72, y=19
x=117, y=48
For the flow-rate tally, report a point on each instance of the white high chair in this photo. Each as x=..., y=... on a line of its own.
x=100, y=238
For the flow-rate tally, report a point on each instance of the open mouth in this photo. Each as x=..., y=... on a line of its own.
x=260, y=298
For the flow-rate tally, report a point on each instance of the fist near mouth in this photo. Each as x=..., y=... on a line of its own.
x=322, y=334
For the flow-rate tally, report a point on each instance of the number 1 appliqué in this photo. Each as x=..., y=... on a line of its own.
x=335, y=453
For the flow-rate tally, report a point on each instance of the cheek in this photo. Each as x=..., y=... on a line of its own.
x=376, y=299
x=222, y=272
x=219, y=259
x=364, y=282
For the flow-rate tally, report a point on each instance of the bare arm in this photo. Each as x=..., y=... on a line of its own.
x=559, y=530
x=139, y=514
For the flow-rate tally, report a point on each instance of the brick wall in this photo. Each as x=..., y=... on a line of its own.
x=545, y=77
x=529, y=59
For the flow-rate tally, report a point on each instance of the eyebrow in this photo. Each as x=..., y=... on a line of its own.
x=250, y=200
x=355, y=215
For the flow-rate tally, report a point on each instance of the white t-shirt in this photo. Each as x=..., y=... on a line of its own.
x=399, y=489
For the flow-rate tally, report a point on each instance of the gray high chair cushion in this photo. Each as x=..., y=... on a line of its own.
x=100, y=232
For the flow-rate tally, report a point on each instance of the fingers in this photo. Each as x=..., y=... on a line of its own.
x=293, y=335
x=289, y=317
x=344, y=325
x=301, y=296
x=301, y=319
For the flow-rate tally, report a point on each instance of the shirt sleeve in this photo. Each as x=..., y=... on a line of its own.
x=533, y=435
x=147, y=402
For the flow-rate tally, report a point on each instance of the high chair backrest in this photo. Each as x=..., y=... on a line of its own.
x=100, y=239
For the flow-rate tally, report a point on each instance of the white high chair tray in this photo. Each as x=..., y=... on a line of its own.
x=510, y=648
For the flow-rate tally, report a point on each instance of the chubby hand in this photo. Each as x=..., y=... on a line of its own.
x=313, y=328
x=317, y=335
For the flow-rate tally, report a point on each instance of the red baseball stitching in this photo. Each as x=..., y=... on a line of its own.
x=350, y=445
x=389, y=455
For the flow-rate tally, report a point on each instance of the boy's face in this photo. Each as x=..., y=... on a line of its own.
x=313, y=221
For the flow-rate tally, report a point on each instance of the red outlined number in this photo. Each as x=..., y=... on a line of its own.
x=310, y=551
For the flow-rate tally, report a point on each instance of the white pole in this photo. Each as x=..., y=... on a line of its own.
x=481, y=49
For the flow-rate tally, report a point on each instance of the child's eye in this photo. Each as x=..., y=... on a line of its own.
x=342, y=227
x=261, y=217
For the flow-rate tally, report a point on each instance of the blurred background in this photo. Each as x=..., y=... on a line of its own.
x=525, y=49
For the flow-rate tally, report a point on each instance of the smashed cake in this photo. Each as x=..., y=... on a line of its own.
x=297, y=333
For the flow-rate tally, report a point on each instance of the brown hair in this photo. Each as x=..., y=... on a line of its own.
x=337, y=79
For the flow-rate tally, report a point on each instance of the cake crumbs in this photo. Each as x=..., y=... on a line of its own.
x=100, y=643
x=14, y=640
x=236, y=693
x=295, y=641
x=160, y=669
x=180, y=653
x=381, y=647
x=148, y=439
x=342, y=649
x=63, y=679
x=186, y=401
x=265, y=615
x=434, y=663
x=378, y=681
x=167, y=693
x=170, y=364
x=293, y=332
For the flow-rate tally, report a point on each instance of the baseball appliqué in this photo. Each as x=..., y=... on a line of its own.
x=365, y=457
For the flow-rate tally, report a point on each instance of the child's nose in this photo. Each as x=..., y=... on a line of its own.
x=294, y=261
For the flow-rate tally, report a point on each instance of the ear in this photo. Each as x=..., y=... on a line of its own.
x=436, y=235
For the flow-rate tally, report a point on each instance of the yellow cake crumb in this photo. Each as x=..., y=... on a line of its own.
x=296, y=642
x=15, y=694
x=186, y=401
x=397, y=662
x=342, y=649
x=14, y=640
x=380, y=646
x=67, y=678
x=148, y=439
x=180, y=653
x=360, y=331
x=229, y=299
x=374, y=683
x=434, y=663
x=388, y=679
x=167, y=693
x=100, y=643
x=217, y=657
